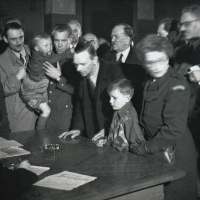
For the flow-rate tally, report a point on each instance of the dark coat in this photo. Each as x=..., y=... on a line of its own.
x=164, y=120
x=61, y=97
x=134, y=72
x=15, y=183
x=86, y=119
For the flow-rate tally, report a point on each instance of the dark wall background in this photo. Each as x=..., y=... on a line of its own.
x=96, y=16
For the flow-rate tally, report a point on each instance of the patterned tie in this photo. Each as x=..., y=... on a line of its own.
x=22, y=59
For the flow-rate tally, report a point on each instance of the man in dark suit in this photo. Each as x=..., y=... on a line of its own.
x=123, y=53
x=187, y=61
x=93, y=112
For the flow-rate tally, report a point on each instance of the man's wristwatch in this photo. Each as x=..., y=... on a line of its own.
x=58, y=79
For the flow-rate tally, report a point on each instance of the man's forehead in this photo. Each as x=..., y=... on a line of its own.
x=74, y=26
x=187, y=16
x=84, y=55
x=63, y=34
x=15, y=32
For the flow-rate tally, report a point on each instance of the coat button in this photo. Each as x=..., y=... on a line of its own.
x=62, y=84
x=49, y=100
x=51, y=82
x=50, y=91
x=66, y=106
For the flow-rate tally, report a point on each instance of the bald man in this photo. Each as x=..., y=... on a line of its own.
x=89, y=37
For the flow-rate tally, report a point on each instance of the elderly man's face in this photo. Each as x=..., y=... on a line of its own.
x=15, y=39
x=120, y=41
x=189, y=26
x=84, y=63
x=76, y=33
x=61, y=41
x=156, y=63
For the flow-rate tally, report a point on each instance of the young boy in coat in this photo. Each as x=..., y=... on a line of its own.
x=125, y=131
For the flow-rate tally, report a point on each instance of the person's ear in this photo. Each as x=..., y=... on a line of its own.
x=5, y=39
x=95, y=60
x=128, y=97
x=36, y=48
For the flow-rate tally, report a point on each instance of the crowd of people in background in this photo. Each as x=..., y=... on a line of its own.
x=143, y=98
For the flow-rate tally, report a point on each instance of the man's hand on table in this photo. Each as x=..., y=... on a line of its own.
x=52, y=71
x=24, y=164
x=73, y=133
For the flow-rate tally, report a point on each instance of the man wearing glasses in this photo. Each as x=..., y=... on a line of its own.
x=123, y=54
x=188, y=60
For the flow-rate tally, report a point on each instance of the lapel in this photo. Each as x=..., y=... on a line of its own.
x=132, y=57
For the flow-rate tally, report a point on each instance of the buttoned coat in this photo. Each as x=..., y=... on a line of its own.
x=164, y=120
x=21, y=117
x=83, y=120
x=60, y=94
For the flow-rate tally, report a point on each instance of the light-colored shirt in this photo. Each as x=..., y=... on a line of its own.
x=93, y=77
x=125, y=54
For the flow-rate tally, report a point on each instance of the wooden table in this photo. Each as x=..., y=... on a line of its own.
x=119, y=175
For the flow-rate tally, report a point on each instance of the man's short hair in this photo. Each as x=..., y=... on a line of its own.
x=85, y=46
x=75, y=22
x=154, y=43
x=123, y=85
x=128, y=30
x=9, y=26
x=194, y=10
x=10, y=20
x=61, y=28
x=38, y=36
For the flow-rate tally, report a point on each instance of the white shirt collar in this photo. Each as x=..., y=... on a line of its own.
x=23, y=52
x=125, y=54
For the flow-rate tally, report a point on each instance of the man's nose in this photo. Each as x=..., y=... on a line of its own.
x=60, y=43
x=78, y=68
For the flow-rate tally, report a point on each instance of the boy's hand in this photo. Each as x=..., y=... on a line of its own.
x=52, y=71
x=73, y=133
x=21, y=73
x=99, y=135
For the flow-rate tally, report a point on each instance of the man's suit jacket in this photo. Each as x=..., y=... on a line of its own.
x=20, y=117
x=82, y=117
x=134, y=72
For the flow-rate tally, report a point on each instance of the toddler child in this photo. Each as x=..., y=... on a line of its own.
x=125, y=131
x=35, y=83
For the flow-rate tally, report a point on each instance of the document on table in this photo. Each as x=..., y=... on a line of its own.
x=38, y=169
x=9, y=143
x=13, y=151
x=65, y=181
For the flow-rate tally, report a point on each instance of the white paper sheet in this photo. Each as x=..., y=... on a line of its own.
x=13, y=151
x=38, y=169
x=9, y=143
x=65, y=181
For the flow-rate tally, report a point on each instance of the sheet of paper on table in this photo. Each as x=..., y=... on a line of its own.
x=2, y=139
x=9, y=143
x=38, y=169
x=65, y=181
x=13, y=151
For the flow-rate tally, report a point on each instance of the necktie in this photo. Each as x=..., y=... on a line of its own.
x=22, y=59
x=120, y=59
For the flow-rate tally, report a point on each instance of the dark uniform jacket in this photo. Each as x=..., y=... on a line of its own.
x=15, y=183
x=93, y=112
x=132, y=71
x=60, y=94
x=164, y=121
